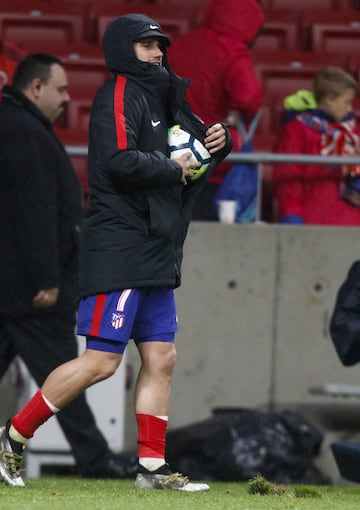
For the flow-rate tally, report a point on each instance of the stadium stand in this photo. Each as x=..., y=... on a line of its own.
x=331, y=31
x=77, y=111
x=84, y=62
x=297, y=39
x=22, y=20
x=175, y=20
x=292, y=5
x=79, y=138
x=282, y=73
x=280, y=31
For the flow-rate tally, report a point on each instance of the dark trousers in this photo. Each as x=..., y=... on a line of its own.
x=44, y=342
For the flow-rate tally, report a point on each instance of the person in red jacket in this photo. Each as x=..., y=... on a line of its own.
x=320, y=123
x=216, y=59
x=10, y=56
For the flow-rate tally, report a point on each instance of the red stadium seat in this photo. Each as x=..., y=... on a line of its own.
x=283, y=73
x=347, y=4
x=77, y=111
x=22, y=21
x=84, y=62
x=179, y=3
x=332, y=31
x=280, y=31
x=77, y=138
x=175, y=21
x=266, y=4
x=354, y=66
x=292, y=5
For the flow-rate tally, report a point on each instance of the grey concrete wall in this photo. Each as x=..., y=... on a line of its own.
x=312, y=264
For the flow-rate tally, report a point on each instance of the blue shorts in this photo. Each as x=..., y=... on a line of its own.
x=110, y=320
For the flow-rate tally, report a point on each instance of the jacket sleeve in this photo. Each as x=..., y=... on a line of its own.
x=33, y=185
x=117, y=144
x=288, y=177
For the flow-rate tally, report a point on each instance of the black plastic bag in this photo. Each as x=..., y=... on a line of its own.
x=237, y=444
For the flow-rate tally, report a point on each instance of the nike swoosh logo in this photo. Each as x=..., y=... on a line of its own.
x=155, y=123
x=153, y=27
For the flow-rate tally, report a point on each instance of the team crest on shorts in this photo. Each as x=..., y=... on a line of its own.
x=117, y=320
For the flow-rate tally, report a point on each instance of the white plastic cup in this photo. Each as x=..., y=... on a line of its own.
x=227, y=211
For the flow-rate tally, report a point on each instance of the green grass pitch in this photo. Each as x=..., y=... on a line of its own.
x=68, y=493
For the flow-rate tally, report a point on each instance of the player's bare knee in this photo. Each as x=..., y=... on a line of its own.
x=106, y=371
x=102, y=364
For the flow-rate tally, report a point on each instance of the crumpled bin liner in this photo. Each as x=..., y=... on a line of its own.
x=236, y=444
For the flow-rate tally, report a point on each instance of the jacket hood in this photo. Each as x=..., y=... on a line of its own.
x=239, y=19
x=118, y=42
x=300, y=101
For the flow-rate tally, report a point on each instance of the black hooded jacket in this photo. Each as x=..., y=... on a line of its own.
x=139, y=209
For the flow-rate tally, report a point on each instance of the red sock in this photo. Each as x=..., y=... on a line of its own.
x=35, y=413
x=151, y=436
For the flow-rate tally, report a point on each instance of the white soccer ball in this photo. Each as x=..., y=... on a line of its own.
x=180, y=142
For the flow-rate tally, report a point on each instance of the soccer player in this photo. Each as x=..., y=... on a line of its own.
x=139, y=212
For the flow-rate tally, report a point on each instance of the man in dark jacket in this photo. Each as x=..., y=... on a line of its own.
x=140, y=208
x=40, y=217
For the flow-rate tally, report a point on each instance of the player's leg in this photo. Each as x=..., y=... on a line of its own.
x=152, y=397
x=151, y=400
x=62, y=386
x=154, y=333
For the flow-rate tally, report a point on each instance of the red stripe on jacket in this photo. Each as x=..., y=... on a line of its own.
x=119, y=112
x=97, y=315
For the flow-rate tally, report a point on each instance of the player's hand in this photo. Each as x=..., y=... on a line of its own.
x=46, y=298
x=215, y=138
x=186, y=165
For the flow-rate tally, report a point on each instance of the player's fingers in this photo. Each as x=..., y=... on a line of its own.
x=215, y=143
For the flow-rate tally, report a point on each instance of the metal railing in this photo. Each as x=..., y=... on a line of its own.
x=260, y=157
